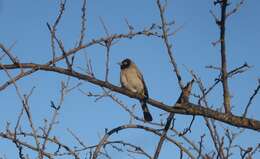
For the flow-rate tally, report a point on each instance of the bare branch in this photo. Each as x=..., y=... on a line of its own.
x=24, y=99
x=216, y=20
x=69, y=65
x=8, y=53
x=214, y=134
x=54, y=116
x=77, y=138
x=167, y=43
x=186, y=130
x=130, y=27
x=10, y=136
x=238, y=6
x=184, y=98
x=131, y=113
x=233, y=72
x=185, y=108
x=251, y=98
x=107, y=44
x=224, y=78
x=104, y=26
x=163, y=135
x=83, y=23
x=132, y=126
x=136, y=149
x=144, y=32
x=53, y=28
x=221, y=136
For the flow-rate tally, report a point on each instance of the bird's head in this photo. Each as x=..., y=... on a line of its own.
x=125, y=63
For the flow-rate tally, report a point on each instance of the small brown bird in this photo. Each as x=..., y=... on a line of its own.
x=132, y=79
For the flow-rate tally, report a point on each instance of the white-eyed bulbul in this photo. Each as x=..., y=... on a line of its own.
x=132, y=79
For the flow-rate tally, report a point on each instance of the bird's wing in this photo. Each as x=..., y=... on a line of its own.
x=140, y=76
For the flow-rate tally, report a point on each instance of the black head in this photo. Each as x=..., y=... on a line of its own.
x=125, y=63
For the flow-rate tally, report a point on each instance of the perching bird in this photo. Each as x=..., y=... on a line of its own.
x=132, y=79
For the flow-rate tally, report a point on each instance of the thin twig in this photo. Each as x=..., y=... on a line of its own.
x=60, y=44
x=251, y=98
x=133, y=126
x=53, y=29
x=107, y=60
x=108, y=45
x=8, y=53
x=144, y=32
x=233, y=72
x=186, y=130
x=237, y=7
x=131, y=113
x=10, y=48
x=168, y=45
x=201, y=145
x=83, y=23
x=11, y=137
x=209, y=122
x=26, y=107
x=184, y=97
x=163, y=135
x=54, y=115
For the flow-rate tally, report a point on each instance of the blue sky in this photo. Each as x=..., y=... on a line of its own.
x=24, y=23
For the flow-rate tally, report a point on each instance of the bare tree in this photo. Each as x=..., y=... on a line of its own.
x=220, y=126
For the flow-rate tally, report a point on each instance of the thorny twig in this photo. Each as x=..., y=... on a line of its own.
x=233, y=72
x=236, y=8
x=184, y=97
x=53, y=29
x=167, y=43
x=83, y=23
x=55, y=114
x=181, y=134
x=77, y=138
x=209, y=122
x=60, y=44
x=186, y=130
x=133, y=126
x=107, y=44
x=8, y=53
x=249, y=152
x=144, y=32
x=24, y=99
x=136, y=149
x=201, y=145
x=11, y=137
x=251, y=98
x=8, y=50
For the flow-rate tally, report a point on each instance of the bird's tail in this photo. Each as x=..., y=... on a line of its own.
x=147, y=114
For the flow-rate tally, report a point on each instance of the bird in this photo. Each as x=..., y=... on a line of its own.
x=132, y=79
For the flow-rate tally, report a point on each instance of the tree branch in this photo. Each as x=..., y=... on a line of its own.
x=132, y=126
x=130, y=35
x=167, y=43
x=186, y=109
x=251, y=98
x=224, y=73
x=184, y=98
